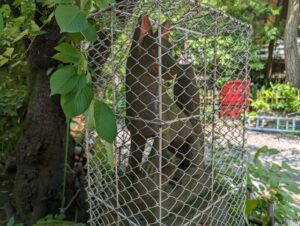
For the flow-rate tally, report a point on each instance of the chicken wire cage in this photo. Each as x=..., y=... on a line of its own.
x=177, y=160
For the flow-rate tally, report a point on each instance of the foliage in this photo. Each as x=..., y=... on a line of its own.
x=272, y=182
x=17, y=27
x=212, y=53
x=72, y=82
x=12, y=95
x=260, y=14
x=279, y=97
x=72, y=79
x=13, y=71
x=71, y=19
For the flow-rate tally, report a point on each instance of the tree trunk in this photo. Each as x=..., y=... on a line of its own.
x=40, y=155
x=292, y=62
x=282, y=16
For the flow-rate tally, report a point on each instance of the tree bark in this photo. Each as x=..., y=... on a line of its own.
x=292, y=62
x=40, y=155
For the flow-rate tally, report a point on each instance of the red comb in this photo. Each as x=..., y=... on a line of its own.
x=146, y=28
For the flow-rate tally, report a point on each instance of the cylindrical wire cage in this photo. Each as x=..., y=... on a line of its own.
x=176, y=75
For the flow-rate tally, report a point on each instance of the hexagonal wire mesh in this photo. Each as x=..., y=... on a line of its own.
x=176, y=160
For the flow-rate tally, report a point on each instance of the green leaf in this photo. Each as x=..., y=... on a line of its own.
x=267, y=151
x=63, y=80
x=104, y=3
x=105, y=121
x=8, y=52
x=274, y=182
x=1, y=22
x=78, y=101
x=70, y=19
x=21, y=35
x=75, y=37
x=3, y=60
x=90, y=34
x=265, y=220
x=251, y=204
x=68, y=53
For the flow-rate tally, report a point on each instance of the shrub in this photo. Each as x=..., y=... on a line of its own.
x=272, y=182
x=279, y=98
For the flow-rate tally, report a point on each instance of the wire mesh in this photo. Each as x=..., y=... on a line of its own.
x=176, y=160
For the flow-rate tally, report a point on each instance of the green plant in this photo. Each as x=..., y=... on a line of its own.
x=260, y=105
x=12, y=96
x=279, y=97
x=272, y=182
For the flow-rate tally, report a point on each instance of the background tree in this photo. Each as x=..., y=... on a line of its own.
x=292, y=62
x=277, y=22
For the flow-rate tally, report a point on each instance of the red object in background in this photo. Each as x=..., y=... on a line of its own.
x=234, y=98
